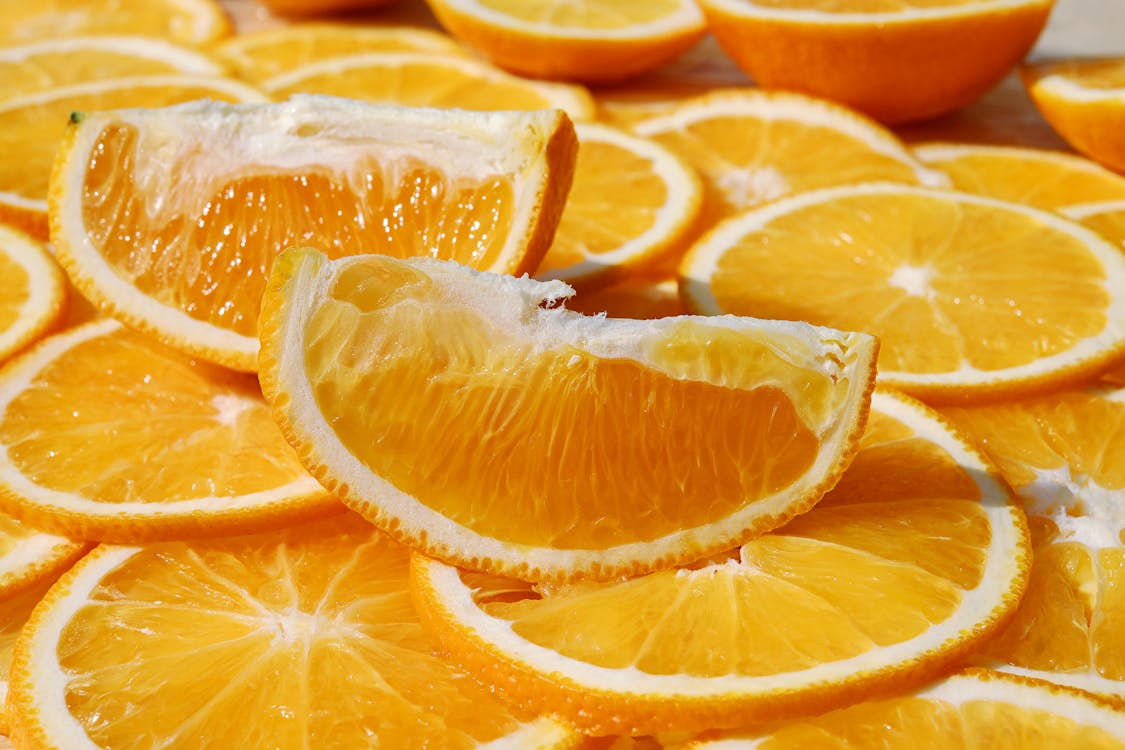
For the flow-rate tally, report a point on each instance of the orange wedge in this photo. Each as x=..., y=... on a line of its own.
x=973, y=298
x=185, y=21
x=33, y=125
x=916, y=555
x=1063, y=456
x=34, y=298
x=589, y=40
x=200, y=187
x=975, y=709
x=294, y=639
x=420, y=79
x=473, y=417
x=1084, y=100
x=896, y=60
x=105, y=434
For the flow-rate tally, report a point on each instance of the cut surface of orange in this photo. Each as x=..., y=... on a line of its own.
x=34, y=296
x=419, y=79
x=474, y=417
x=587, y=40
x=106, y=434
x=756, y=146
x=972, y=298
x=973, y=710
x=1084, y=100
x=1063, y=455
x=1106, y=218
x=917, y=554
x=632, y=205
x=294, y=639
x=185, y=21
x=168, y=218
x=1037, y=177
x=896, y=60
x=33, y=125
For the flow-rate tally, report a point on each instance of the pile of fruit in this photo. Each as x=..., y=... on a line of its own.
x=369, y=385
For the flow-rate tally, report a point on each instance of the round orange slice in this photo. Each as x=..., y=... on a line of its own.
x=107, y=435
x=294, y=639
x=918, y=554
x=213, y=192
x=472, y=416
x=185, y=21
x=972, y=298
x=34, y=297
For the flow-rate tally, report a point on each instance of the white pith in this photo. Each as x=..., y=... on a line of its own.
x=45, y=290
x=186, y=61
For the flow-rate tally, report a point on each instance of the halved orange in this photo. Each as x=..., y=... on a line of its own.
x=212, y=193
x=472, y=416
x=34, y=297
x=186, y=21
x=918, y=554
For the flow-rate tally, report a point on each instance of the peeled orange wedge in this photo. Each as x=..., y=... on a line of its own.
x=474, y=417
x=34, y=295
x=915, y=556
x=169, y=218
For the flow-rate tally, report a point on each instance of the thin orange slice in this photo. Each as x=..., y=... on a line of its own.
x=201, y=188
x=473, y=417
x=185, y=21
x=918, y=554
x=34, y=297
x=294, y=639
x=972, y=298
x=105, y=434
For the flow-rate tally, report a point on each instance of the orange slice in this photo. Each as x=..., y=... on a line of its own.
x=638, y=297
x=105, y=434
x=1037, y=177
x=915, y=556
x=755, y=146
x=34, y=298
x=972, y=298
x=591, y=40
x=896, y=60
x=259, y=55
x=975, y=709
x=185, y=21
x=1063, y=456
x=200, y=187
x=418, y=79
x=473, y=417
x=1084, y=100
x=294, y=639
x=33, y=125
x=632, y=205
x=1106, y=218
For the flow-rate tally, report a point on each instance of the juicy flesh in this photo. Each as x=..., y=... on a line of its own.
x=611, y=14
x=896, y=266
x=17, y=288
x=914, y=549
x=210, y=255
x=309, y=631
x=44, y=71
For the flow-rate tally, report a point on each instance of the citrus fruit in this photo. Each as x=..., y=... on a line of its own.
x=425, y=79
x=975, y=709
x=633, y=204
x=200, y=188
x=33, y=125
x=756, y=146
x=297, y=638
x=107, y=435
x=474, y=417
x=972, y=298
x=299, y=8
x=590, y=40
x=1106, y=218
x=185, y=21
x=34, y=297
x=1084, y=101
x=1062, y=455
x=24, y=215
x=895, y=60
x=640, y=297
x=916, y=555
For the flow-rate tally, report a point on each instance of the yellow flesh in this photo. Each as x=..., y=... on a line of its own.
x=310, y=632
x=25, y=22
x=901, y=266
x=47, y=70
x=1110, y=225
x=910, y=540
x=603, y=14
x=16, y=291
x=171, y=429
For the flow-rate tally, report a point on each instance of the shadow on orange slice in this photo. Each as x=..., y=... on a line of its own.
x=293, y=639
x=917, y=555
x=107, y=435
x=170, y=219
x=34, y=297
x=473, y=416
